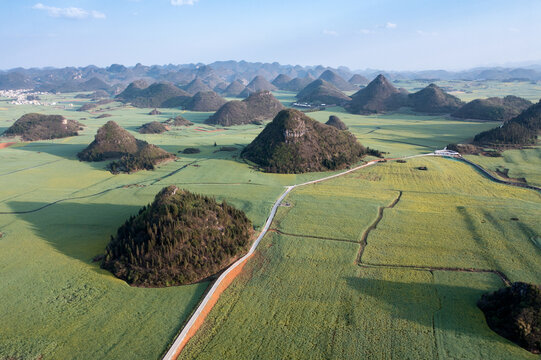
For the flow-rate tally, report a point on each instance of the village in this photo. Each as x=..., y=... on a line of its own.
x=24, y=97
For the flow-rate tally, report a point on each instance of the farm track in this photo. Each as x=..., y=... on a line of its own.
x=207, y=303
x=364, y=243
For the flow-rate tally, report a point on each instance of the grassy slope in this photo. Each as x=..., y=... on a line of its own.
x=306, y=298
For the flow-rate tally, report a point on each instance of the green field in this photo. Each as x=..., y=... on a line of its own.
x=57, y=213
x=521, y=164
x=471, y=90
x=305, y=297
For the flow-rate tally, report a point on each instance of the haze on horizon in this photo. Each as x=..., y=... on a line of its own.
x=384, y=34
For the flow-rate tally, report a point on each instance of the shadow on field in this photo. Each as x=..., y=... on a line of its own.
x=67, y=151
x=421, y=303
x=209, y=151
x=80, y=231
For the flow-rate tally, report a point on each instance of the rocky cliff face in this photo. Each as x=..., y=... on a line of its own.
x=291, y=135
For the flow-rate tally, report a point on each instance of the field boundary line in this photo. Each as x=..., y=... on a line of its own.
x=313, y=236
x=500, y=274
x=374, y=225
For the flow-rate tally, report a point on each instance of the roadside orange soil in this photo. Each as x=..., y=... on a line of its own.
x=5, y=145
x=219, y=290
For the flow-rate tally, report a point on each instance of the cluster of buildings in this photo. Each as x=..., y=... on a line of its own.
x=24, y=96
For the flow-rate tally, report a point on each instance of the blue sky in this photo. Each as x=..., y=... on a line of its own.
x=383, y=34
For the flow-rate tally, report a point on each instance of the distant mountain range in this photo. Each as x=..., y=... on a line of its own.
x=115, y=77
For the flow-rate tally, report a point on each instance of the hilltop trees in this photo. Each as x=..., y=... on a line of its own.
x=114, y=142
x=520, y=130
x=514, y=312
x=33, y=126
x=258, y=106
x=180, y=238
x=295, y=143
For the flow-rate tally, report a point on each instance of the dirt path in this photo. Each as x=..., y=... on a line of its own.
x=364, y=243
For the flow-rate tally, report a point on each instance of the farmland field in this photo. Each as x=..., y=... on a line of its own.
x=304, y=295
x=520, y=164
x=470, y=90
x=57, y=214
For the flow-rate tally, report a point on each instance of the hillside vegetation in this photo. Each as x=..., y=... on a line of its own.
x=33, y=126
x=205, y=101
x=322, y=92
x=514, y=312
x=358, y=80
x=432, y=99
x=521, y=130
x=378, y=96
x=337, y=81
x=154, y=96
x=180, y=238
x=259, y=83
x=295, y=143
x=114, y=142
x=234, y=89
x=336, y=122
x=281, y=81
x=197, y=85
x=153, y=127
x=493, y=108
x=178, y=121
x=298, y=83
x=258, y=106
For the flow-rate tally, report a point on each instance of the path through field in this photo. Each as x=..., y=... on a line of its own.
x=226, y=278
x=212, y=295
x=217, y=288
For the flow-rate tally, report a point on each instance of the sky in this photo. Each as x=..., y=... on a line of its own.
x=360, y=34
